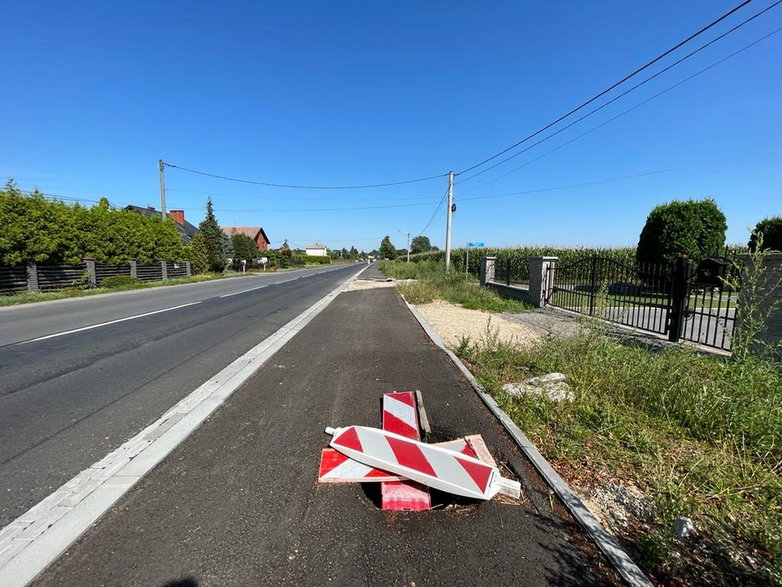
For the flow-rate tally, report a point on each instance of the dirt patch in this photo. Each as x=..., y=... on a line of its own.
x=453, y=322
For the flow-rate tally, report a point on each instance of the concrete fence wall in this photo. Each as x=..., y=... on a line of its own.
x=34, y=277
x=540, y=280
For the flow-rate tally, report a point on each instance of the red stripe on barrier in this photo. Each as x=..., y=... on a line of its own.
x=480, y=473
x=409, y=455
x=349, y=439
x=406, y=397
x=393, y=424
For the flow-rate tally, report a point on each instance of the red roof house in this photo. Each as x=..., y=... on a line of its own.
x=256, y=233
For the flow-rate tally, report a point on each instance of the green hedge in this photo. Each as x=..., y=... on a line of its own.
x=37, y=229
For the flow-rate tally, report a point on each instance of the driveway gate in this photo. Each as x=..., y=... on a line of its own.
x=684, y=304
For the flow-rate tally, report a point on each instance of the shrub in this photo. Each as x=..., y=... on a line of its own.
x=772, y=233
x=695, y=228
x=120, y=281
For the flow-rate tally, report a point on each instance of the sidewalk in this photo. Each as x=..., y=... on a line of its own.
x=238, y=504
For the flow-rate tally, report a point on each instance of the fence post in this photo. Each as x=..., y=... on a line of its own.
x=133, y=268
x=592, y=284
x=507, y=271
x=32, y=276
x=541, y=279
x=187, y=268
x=93, y=276
x=487, y=270
x=681, y=271
x=164, y=270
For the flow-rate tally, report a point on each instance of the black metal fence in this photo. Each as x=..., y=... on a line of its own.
x=13, y=279
x=681, y=301
x=511, y=270
x=633, y=295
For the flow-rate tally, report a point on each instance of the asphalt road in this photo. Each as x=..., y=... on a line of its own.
x=68, y=400
x=237, y=502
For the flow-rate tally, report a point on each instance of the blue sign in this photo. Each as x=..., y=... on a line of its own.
x=479, y=244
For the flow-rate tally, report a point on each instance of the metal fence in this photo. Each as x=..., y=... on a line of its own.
x=684, y=302
x=511, y=270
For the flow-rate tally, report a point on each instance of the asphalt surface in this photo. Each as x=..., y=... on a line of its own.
x=66, y=402
x=237, y=503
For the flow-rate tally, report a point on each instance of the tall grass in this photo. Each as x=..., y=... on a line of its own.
x=432, y=282
x=701, y=435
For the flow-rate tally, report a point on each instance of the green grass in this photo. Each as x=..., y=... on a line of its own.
x=75, y=292
x=432, y=282
x=701, y=436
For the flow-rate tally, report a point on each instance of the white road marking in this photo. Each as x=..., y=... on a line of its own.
x=236, y=293
x=39, y=536
x=66, y=332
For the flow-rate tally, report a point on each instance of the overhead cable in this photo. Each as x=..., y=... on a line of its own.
x=604, y=92
x=619, y=96
x=610, y=120
x=306, y=187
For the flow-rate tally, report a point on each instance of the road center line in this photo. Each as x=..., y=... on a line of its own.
x=236, y=293
x=108, y=323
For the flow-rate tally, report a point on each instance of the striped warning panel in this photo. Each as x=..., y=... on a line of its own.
x=337, y=468
x=424, y=463
x=400, y=416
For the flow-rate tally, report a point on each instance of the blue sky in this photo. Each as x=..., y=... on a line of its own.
x=352, y=93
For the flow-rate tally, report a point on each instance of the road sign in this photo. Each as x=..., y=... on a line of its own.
x=476, y=244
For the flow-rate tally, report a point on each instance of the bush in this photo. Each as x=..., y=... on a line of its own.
x=116, y=281
x=772, y=233
x=695, y=228
x=316, y=259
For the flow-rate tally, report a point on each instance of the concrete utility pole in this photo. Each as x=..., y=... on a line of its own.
x=448, y=222
x=162, y=190
x=408, y=247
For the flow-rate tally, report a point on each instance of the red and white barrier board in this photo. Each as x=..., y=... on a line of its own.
x=338, y=468
x=425, y=463
x=400, y=416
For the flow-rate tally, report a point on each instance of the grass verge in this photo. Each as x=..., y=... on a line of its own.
x=692, y=435
x=432, y=282
x=76, y=292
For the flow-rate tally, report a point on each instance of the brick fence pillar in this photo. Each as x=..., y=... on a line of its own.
x=32, y=276
x=487, y=270
x=541, y=279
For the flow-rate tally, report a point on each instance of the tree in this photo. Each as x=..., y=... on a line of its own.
x=199, y=255
x=695, y=228
x=420, y=244
x=212, y=239
x=387, y=250
x=771, y=228
x=244, y=248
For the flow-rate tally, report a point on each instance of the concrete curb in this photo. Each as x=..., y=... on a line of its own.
x=38, y=537
x=620, y=560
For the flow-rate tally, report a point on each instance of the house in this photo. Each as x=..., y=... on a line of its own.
x=256, y=233
x=186, y=230
x=316, y=250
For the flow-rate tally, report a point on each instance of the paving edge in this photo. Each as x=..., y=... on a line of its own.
x=38, y=537
x=619, y=559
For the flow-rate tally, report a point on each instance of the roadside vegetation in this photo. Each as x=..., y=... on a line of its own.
x=432, y=282
x=111, y=284
x=660, y=433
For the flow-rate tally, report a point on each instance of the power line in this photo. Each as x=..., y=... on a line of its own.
x=604, y=92
x=610, y=120
x=434, y=214
x=305, y=187
x=635, y=87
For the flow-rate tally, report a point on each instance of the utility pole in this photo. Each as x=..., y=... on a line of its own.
x=162, y=190
x=448, y=214
x=408, y=247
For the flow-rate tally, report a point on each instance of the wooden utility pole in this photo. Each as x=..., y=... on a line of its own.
x=448, y=214
x=162, y=190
